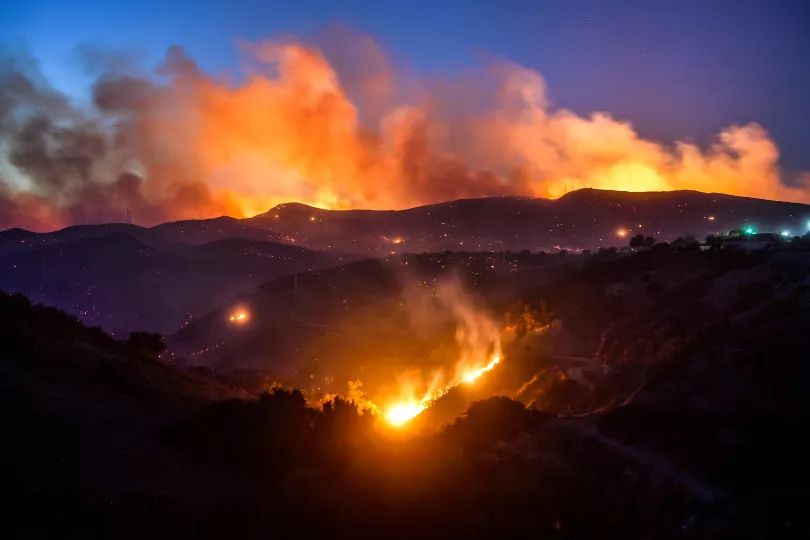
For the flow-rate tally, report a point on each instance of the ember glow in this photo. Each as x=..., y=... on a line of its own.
x=399, y=413
x=239, y=316
x=298, y=128
x=471, y=376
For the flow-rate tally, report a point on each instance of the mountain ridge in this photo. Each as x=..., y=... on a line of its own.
x=293, y=222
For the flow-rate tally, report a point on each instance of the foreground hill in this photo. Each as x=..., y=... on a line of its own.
x=122, y=283
x=689, y=364
x=106, y=440
x=665, y=399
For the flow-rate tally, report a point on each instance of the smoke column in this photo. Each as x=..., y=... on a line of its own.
x=332, y=124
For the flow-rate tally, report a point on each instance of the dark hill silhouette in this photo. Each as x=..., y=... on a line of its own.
x=164, y=235
x=157, y=282
x=122, y=283
x=583, y=219
x=586, y=219
x=690, y=366
x=123, y=276
x=211, y=230
x=109, y=442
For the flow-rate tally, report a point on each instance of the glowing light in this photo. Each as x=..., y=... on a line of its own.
x=470, y=376
x=621, y=233
x=397, y=240
x=749, y=230
x=785, y=233
x=239, y=316
x=710, y=218
x=401, y=413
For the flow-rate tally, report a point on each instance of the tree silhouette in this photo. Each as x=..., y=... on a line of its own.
x=146, y=343
x=640, y=241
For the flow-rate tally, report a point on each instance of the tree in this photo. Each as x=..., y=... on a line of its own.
x=714, y=241
x=640, y=241
x=685, y=243
x=146, y=343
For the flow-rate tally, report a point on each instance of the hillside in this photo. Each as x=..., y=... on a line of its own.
x=369, y=319
x=164, y=235
x=123, y=276
x=584, y=219
x=121, y=283
x=114, y=442
x=665, y=375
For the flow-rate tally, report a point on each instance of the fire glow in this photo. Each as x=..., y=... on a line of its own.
x=471, y=376
x=402, y=412
x=239, y=316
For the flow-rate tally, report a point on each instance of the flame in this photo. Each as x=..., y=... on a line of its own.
x=239, y=316
x=478, y=349
x=471, y=376
x=401, y=412
x=477, y=342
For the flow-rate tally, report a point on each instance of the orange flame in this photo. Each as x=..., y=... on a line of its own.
x=470, y=376
x=401, y=412
x=239, y=316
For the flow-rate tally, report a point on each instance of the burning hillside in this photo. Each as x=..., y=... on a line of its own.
x=703, y=350
x=396, y=336
x=478, y=341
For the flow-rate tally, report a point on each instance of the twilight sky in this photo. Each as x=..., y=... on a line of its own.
x=676, y=69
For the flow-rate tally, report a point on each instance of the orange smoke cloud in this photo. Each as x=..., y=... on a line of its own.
x=192, y=145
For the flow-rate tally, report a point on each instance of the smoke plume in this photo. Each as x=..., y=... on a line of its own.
x=333, y=125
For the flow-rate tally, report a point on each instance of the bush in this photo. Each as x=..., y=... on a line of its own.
x=146, y=343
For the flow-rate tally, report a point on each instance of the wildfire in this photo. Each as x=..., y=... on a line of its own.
x=470, y=376
x=239, y=316
x=291, y=130
x=402, y=412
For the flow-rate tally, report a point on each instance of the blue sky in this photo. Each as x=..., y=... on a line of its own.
x=674, y=69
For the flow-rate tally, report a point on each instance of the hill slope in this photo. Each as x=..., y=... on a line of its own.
x=584, y=219
x=701, y=351
x=121, y=283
